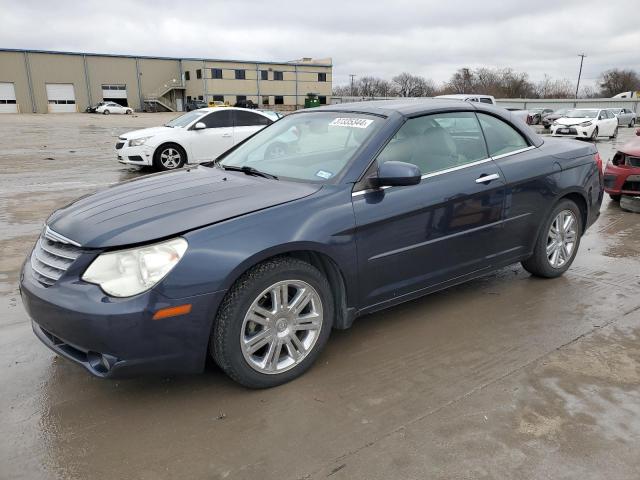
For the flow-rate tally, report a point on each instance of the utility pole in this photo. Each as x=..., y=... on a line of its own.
x=352, y=77
x=581, y=55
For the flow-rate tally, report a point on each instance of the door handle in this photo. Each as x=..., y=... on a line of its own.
x=487, y=178
x=226, y=135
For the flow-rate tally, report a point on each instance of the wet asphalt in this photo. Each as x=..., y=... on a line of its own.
x=507, y=376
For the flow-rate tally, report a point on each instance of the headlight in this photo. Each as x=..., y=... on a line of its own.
x=555, y=124
x=136, y=142
x=129, y=272
x=586, y=124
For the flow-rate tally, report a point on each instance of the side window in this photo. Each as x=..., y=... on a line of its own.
x=501, y=137
x=437, y=142
x=249, y=119
x=219, y=119
x=485, y=100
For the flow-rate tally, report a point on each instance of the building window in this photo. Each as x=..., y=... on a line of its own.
x=265, y=100
x=241, y=98
x=187, y=76
x=264, y=74
x=279, y=100
x=240, y=75
x=218, y=98
x=216, y=73
x=322, y=77
x=200, y=97
x=198, y=73
x=322, y=99
x=278, y=76
x=188, y=98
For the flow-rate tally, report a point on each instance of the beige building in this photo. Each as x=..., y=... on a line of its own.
x=56, y=82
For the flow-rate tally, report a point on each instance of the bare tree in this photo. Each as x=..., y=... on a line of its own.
x=408, y=85
x=617, y=80
x=588, y=91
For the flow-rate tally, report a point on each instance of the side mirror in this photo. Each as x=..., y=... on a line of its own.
x=396, y=174
x=199, y=126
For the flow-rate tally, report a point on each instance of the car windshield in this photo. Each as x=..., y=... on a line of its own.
x=310, y=147
x=615, y=110
x=582, y=114
x=186, y=119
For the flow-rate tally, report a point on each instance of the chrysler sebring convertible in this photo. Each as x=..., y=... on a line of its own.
x=253, y=259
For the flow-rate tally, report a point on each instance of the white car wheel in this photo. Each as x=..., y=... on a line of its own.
x=106, y=112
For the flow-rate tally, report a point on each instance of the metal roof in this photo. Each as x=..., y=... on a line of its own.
x=91, y=54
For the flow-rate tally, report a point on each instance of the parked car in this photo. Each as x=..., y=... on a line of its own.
x=93, y=108
x=586, y=123
x=246, y=104
x=552, y=117
x=470, y=98
x=537, y=114
x=622, y=173
x=195, y=137
x=112, y=107
x=625, y=116
x=218, y=103
x=521, y=114
x=254, y=259
x=195, y=105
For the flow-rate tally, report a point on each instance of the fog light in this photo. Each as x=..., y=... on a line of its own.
x=99, y=362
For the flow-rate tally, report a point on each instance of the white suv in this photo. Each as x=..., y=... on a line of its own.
x=195, y=137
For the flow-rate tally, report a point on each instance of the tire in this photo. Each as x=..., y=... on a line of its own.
x=106, y=112
x=632, y=123
x=169, y=156
x=615, y=134
x=615, y=198
x=234, y=328
x=128, y=112
x=540, y=263
x=594, y=135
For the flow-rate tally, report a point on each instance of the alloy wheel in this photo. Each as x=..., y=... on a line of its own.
x=281, y=326
x=561, y=239
x=170, y=158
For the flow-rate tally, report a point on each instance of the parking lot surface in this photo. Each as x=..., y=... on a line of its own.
x=507, y=376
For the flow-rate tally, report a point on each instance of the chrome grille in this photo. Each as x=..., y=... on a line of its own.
x=52, y=256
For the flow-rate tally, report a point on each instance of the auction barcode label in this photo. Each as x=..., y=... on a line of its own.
x=351, y=122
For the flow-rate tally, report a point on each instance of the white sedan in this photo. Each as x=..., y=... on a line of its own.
x=195, y=137
x=113, y=107
x=586, y=123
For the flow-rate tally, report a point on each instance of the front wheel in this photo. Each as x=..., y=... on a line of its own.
x=106, y=112
x=615, y=198
x=594, y=135
x=273, y=323
x=557, y=242
x=169, y=157
x=632, y=123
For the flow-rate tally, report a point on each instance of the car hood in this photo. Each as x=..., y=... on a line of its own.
x=166, y=204
x=631, y=148
x=573, y=121
x=146, y=132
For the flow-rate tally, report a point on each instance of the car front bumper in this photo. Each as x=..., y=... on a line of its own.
x=141, y=155
x=573, y=131
x=623, y=180
x=117, y=337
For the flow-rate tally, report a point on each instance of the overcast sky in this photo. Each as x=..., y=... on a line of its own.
x=431, y=38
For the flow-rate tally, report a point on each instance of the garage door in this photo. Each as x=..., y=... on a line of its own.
x=115, y=93
x=62, y=98
x=8, y=98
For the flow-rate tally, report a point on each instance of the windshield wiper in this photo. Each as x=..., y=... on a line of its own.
x=249, y=171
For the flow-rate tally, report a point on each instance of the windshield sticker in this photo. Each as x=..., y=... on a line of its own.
x=324, y=174
x=351, y=122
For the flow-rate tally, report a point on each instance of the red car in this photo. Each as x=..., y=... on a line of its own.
x=622, y=174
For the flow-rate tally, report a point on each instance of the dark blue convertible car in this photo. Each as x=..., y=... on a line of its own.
x=326, y=215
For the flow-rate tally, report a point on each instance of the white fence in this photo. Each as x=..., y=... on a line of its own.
x=529, y=103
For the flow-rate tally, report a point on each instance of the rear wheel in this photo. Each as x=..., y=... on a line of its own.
x=557, y=243
x=632, y=123
x=615, y=133
x=273, y=323
x=615, y=198
x=106, y=112
x=169, y=157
